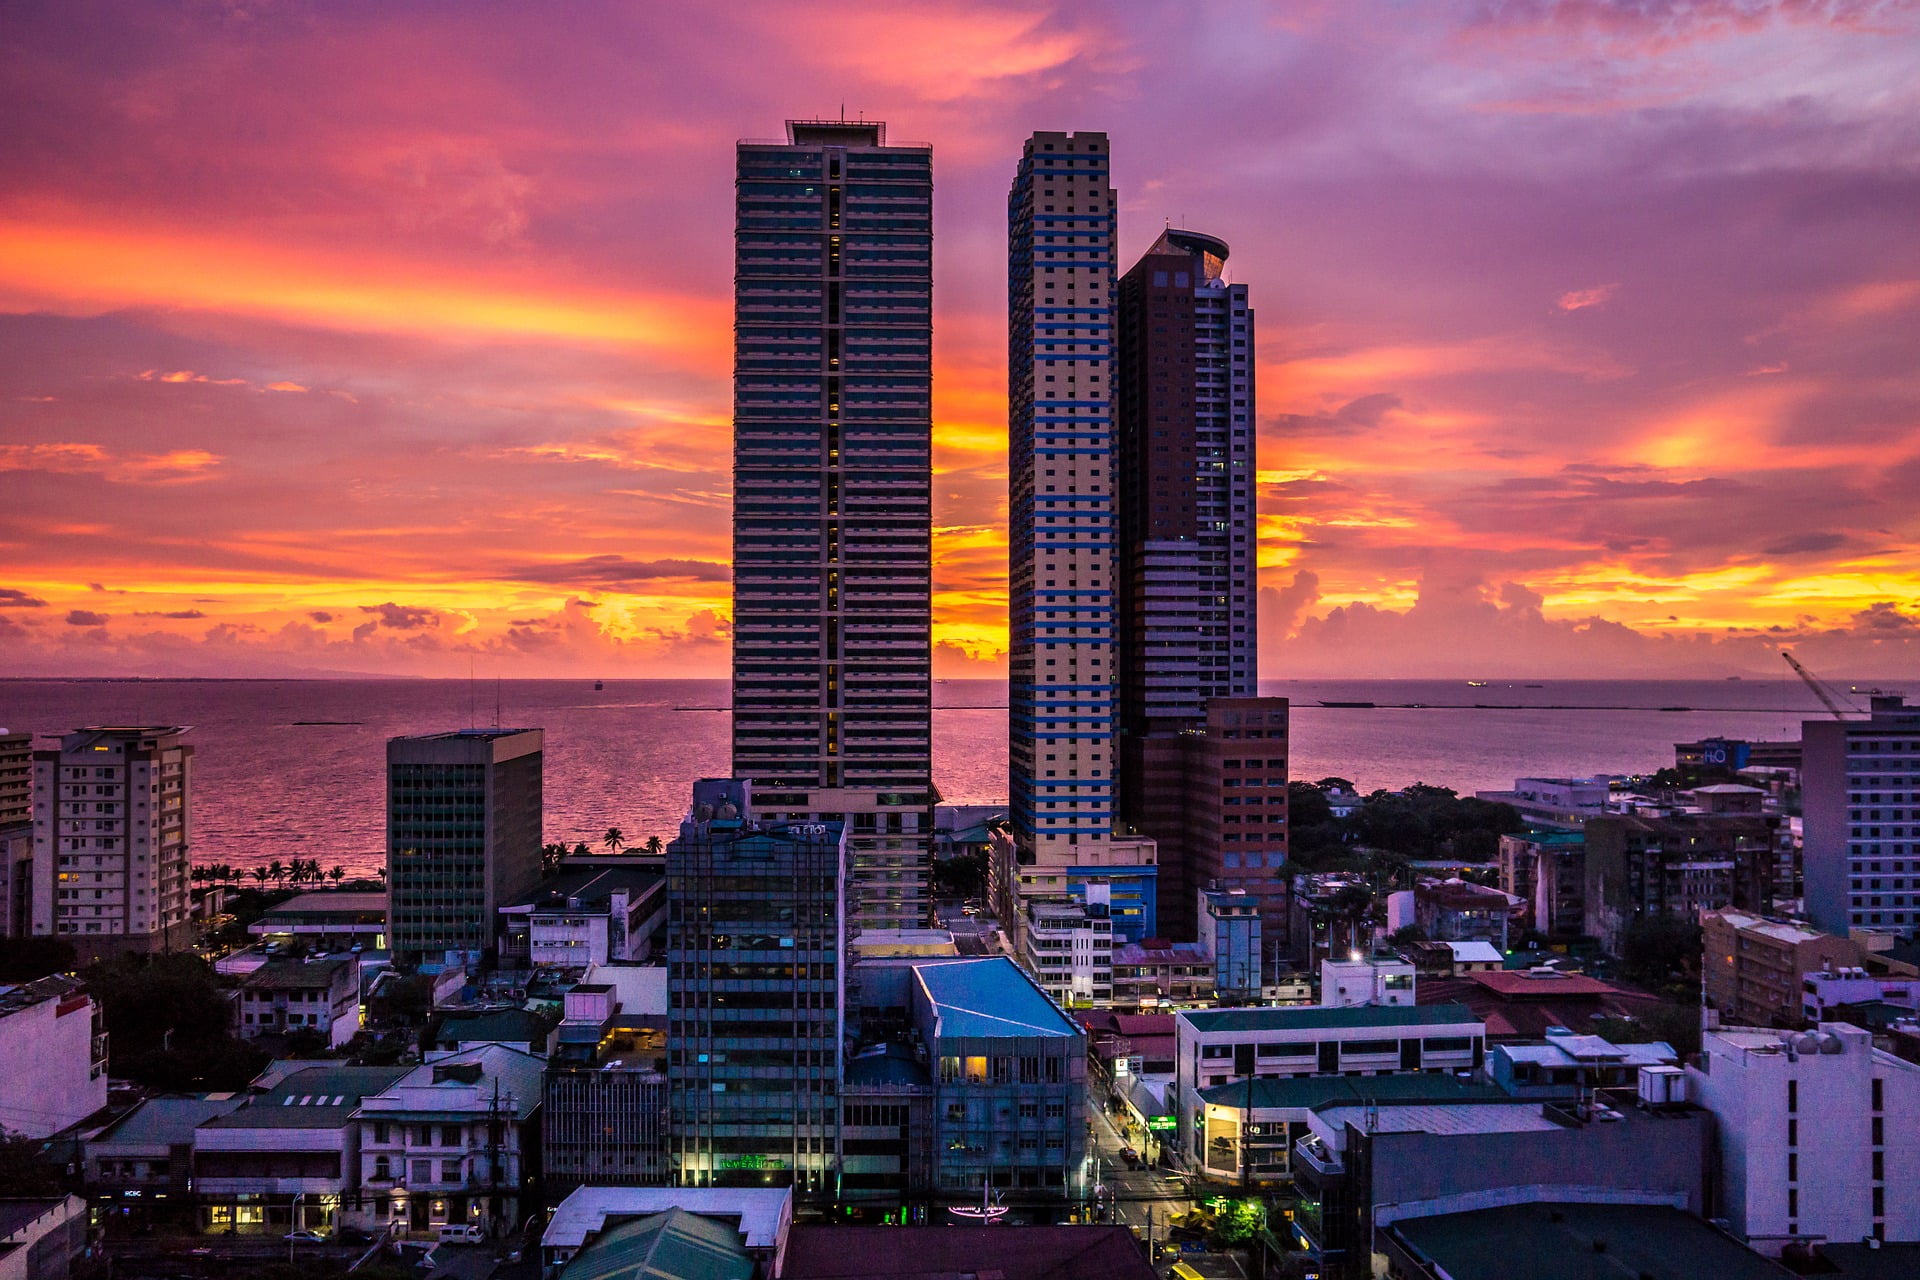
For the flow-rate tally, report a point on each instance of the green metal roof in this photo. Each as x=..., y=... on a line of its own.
x=1312, y=1092
x=1315, y=1018
x=675, y=1245
x=318, y=1097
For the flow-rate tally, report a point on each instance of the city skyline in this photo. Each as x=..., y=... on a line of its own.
x=1586, y=345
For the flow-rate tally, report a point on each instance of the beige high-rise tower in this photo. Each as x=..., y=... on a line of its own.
x=112, y=831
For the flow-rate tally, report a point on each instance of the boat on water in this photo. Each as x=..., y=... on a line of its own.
x=1476, y=684
x=598, y=685
x=1325, y=703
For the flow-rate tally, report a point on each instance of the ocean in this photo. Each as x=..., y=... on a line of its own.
x=294, y=768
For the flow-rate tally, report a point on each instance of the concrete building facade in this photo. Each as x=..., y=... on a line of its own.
x=1754, y=968
x=53, y=1056
x=1860, y=790
x=464, y=813
x=756, y=995
x=1679, y=866
x=1814, y=1134
x=112, y=820
x=1060, y=267
x=832, y=522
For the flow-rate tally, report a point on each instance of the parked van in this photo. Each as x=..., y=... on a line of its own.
x=461, y=1233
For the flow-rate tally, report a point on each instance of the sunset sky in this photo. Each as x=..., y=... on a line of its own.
x=395, y=337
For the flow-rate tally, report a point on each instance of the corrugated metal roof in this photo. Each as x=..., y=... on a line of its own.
x=992, y=997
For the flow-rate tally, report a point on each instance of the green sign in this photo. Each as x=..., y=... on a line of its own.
x=753, y=1162
x=1162, y=1122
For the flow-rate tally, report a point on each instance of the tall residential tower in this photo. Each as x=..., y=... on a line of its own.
x=832, y=525
x=1060, y=485
x=1203, y=760
x=112, y=831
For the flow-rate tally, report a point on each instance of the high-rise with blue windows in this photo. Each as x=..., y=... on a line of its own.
x=832, y=526
x=1060, y=490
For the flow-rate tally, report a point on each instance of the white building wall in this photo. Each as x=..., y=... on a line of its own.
x=1798, y=1134
x=48, y=1078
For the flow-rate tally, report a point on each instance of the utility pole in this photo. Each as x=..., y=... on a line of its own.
x=493, y=1158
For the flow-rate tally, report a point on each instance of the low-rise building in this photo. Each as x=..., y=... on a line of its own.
x=41, y=1238
x=1453, y=910
x=53, y=1056
x=1374, y=980
x=1682, y=866
x=1523, y=1005
x=326, y=920
x=763, y=1217
x=1752, y=969
x=1231, y=934
x=1010, y=1078
x=1830, y=995
x=1250, y=1126
x=1157, y=973
x=1814, y=1134
x=288, y=1158
x=594, y=911
x=1069, y=950
x=1364, y=1166
x=139, y=1169
x=320, y=994
x=1567, y=1240
x=455, y=1141
x=1221, y=1046
x=1073, y=1252
x=1546, y=871
x=1556, y=804
x=604, y=1114
x=1568, y=1062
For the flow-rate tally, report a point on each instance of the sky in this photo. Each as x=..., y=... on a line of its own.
x=395, y=337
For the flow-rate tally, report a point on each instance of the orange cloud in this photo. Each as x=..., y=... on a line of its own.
x=80, y=270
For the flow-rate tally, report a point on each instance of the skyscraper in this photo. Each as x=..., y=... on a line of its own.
x=463, y=836
x=1186, y=517
x=1060, y=275
x=1202, y=758
x=832, y=604
x=1060, y=270
x=755, y=995
x=1860, y=787
x=111, y=833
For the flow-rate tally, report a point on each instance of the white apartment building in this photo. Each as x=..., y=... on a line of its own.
x=1068, y=947
x=319, y=994
x=1213, y=1047
x=1815, y=1134
x=53, y=1057
x=1378, y=980
x=446, y=1144
x=111, y=834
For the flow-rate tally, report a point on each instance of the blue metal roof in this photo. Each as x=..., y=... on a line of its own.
x=992, y=997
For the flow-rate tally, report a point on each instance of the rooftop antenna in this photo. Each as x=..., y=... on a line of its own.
x=496, y=702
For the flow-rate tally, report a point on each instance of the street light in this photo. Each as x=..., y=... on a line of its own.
x=294, y=1225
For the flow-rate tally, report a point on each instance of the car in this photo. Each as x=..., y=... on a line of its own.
x=304, y=1237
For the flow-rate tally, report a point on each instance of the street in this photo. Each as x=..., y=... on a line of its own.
x=1137, y=1198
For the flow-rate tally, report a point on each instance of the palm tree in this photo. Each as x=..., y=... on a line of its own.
x=551, y=856
x=199, y=874
x=655, y=844
x=381, y=871
x=337, y=874
x=613, y=839
x=262, y=874
x=276, y=871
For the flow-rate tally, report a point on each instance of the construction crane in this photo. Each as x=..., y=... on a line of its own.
x=1813, y=683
